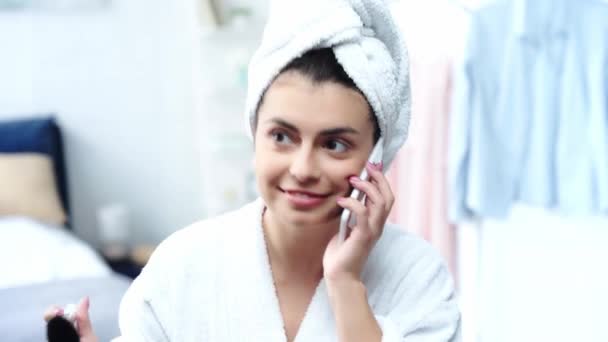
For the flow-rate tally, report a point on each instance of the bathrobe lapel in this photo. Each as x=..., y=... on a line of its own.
x=254, y=294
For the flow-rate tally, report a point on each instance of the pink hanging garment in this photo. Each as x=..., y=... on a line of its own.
x=418, y=174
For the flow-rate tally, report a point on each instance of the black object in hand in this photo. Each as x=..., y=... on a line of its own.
x=59, y=329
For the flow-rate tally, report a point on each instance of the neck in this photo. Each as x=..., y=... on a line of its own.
x=296, y=251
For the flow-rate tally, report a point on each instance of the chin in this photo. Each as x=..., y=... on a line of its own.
x=303, y=218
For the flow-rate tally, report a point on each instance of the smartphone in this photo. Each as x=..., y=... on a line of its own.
x=60, y=329
x=347, y=219
x=63, y=328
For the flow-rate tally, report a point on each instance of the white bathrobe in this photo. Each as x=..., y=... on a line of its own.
x=212, y=281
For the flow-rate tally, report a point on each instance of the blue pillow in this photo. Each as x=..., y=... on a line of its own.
x=37, y=135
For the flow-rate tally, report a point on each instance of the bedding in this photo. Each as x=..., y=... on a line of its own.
x=34, y=252
x=41, y=265
x=22, y=307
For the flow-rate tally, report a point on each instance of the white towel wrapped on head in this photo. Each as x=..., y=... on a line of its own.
x=366, y=42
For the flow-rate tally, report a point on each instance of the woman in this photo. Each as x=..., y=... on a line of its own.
x=274, y=270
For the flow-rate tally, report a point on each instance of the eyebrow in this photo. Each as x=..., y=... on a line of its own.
x=331, y=131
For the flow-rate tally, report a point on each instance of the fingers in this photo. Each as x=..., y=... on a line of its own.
x=379, y=195
x=375, y=201
x=372, y=215
x=362, y=230
x=81, y=317
x=354, y=206
x=376, y=175
x=370, y=190
x=52, y=312
x=83, y=321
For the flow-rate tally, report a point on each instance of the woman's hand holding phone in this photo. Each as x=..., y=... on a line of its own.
x=345, y=259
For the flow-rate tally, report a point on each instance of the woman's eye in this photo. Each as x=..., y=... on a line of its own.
x=280, y=138
x=336, y=146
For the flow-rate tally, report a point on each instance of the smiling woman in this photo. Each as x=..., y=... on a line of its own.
x=314, y=133
x=275, y=270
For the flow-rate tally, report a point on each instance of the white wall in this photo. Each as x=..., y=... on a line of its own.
x=229, y=182
x=122, y=82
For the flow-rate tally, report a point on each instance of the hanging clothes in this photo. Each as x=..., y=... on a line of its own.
x=418, y=174
x=530, y=112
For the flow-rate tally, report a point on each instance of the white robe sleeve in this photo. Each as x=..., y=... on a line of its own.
x=137, y=319
x=146, y=302
x=436, y=309
x=441, y=326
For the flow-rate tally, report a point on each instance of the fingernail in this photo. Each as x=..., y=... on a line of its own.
x=354, y=179
x=341, y=199
x=375, y=166
x=59, y=312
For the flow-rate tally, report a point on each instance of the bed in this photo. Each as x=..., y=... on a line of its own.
x=42, y=261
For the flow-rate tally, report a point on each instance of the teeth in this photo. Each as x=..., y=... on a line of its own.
x=299, y=194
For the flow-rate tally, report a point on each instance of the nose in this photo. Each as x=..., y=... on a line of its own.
x=304, y=167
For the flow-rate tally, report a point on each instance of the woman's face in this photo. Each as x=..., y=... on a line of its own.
x=310, y=139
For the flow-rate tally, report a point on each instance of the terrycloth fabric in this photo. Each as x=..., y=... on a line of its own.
x=212, y=281
x=366, y=42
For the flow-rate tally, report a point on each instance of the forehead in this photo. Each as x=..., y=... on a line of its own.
x=314, y=105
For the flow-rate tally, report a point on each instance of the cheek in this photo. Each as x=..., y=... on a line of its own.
x=267, y=166
x=340, y=171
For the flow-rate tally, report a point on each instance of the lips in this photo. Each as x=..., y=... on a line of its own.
x=302, y=193
x=301, y=199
